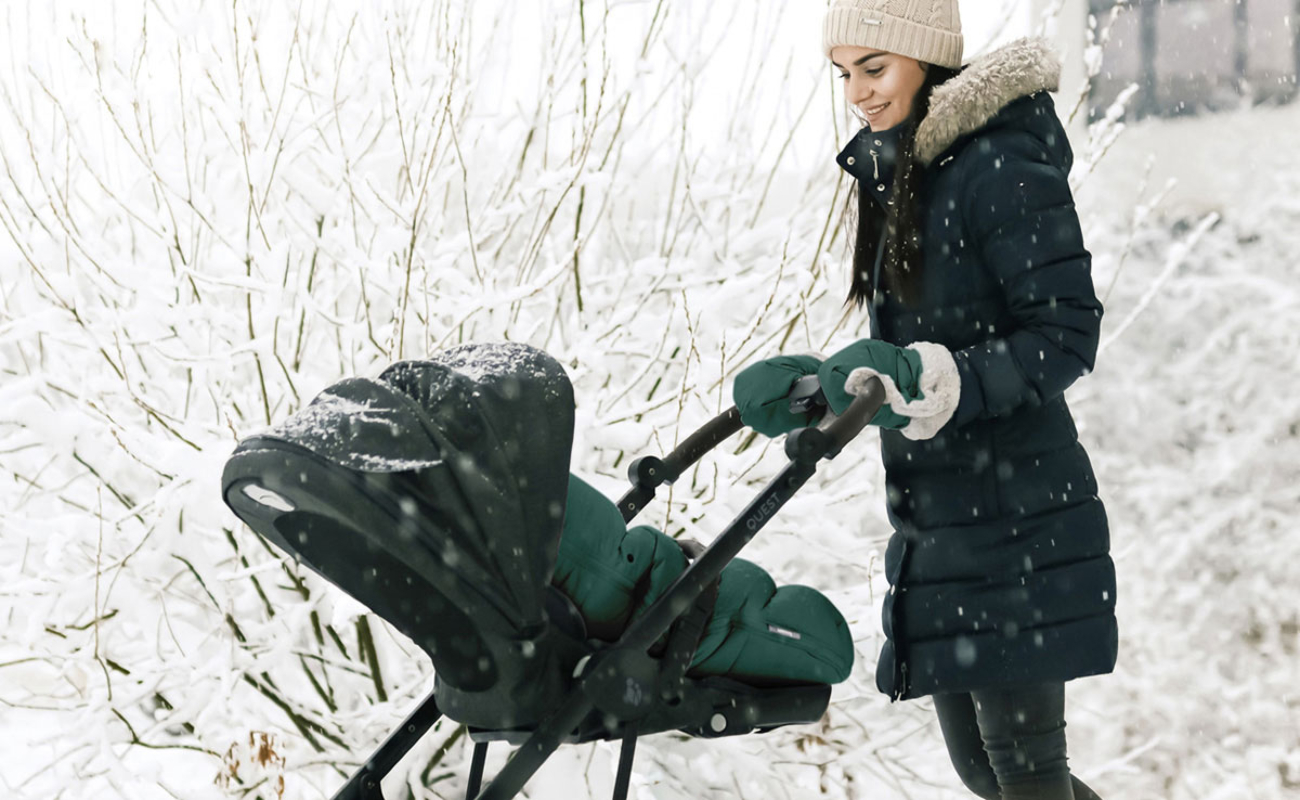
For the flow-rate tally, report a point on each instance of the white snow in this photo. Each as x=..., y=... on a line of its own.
x=494, y=360
x=211, y=212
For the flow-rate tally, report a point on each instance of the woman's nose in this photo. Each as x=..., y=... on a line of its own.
x=858, y=91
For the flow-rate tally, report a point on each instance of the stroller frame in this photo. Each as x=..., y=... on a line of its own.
x=614, y=679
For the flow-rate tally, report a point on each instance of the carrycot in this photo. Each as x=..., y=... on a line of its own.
x=436, y=495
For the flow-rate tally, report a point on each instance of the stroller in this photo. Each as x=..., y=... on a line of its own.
x=435, y=495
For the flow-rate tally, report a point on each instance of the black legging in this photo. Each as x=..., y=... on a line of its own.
x=1009, y=744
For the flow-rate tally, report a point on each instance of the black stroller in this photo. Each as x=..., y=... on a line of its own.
x=434, y=495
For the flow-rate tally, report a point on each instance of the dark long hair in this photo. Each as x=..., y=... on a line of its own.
x=902, y=264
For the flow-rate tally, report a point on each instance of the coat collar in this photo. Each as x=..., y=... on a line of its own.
x=870, y=157
x=959, y=107
x=965, y=103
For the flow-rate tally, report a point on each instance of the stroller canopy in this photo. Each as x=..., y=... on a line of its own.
x=472, y=448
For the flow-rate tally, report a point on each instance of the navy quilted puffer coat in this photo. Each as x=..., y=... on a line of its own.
x=999, y=563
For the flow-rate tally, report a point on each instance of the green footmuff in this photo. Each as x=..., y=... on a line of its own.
x=758, y=632
x=608, y=570
x=767, y=634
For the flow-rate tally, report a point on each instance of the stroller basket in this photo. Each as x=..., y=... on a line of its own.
x=435, y=495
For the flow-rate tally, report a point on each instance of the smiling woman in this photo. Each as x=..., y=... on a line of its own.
x=982, y=313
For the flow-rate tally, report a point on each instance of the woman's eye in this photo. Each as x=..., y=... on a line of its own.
x=845, y=76
x=875, y=71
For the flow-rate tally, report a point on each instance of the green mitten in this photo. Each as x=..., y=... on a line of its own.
x=761, y=392
x=922, y=384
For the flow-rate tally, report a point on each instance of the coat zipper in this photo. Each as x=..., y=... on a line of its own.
x=900, y=662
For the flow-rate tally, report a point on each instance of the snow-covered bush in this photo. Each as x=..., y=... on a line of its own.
x=212, y=211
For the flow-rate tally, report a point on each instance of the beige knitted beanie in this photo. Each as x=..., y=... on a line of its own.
x=927, y=30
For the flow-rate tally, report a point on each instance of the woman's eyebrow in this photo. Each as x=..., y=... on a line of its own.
x=864, y=59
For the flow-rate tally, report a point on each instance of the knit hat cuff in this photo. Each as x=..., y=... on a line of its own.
x=846, y=25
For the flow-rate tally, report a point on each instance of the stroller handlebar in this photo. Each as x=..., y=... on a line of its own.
x=649, y=472
x=805, y=445
x=806, y=395
x=699, y=443
x=832, y=432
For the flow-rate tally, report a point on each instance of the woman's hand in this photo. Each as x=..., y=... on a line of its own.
x=922, y=385
x=761, y=392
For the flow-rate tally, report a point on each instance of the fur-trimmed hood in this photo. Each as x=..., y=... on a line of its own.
x=984, y=87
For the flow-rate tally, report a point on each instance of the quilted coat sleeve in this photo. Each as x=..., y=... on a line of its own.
x=1019, y=209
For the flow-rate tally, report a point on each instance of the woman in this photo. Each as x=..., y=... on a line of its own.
x=969, y=252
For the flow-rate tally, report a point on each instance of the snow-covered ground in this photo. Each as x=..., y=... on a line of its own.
x=212, y=215
x=1193, y=422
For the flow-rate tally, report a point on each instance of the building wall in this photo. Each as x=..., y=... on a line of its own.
x=1195, y=58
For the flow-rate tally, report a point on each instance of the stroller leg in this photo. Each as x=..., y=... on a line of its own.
x=364, y=784
x=529, y=757
x=625, y=756
x=476, y=770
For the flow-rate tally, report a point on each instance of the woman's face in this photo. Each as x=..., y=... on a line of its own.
x=882, y=85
